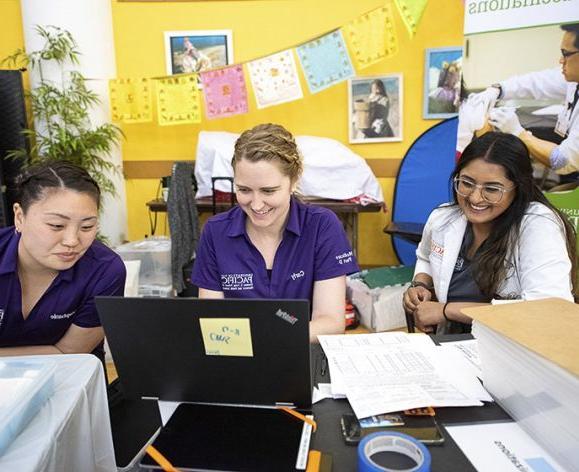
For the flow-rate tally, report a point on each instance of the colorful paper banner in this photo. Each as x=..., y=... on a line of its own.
x=225, y=92
x=131, y=100
x=372, y=37
x=325, y=61
x=411, y=13
x=275, y=79
x=178, y=100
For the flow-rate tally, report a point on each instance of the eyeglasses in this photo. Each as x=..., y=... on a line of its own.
x=567, y=54
x=489, y=192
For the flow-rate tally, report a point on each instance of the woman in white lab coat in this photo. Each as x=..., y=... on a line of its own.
x=499, y=239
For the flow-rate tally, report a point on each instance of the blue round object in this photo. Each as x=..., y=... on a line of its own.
x=400, y=443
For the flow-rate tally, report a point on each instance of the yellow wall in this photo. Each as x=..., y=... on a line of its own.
x=11, y=36
x=261, y=27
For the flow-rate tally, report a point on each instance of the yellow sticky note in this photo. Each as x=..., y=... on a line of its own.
x=226, y=336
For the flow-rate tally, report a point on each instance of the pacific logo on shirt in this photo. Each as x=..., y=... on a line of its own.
x=237, y=281
x=1, y=317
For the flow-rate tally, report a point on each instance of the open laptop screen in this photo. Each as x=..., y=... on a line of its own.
x=218, y=351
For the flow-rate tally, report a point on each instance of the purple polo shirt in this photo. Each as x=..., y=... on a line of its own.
x=314, y=247
x=68, y=300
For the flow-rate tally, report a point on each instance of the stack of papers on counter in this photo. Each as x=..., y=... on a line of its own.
x=386, y=372
x=530, y=361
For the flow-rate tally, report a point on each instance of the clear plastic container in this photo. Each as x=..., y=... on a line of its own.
x=162, y=291
x=155, y=256
x=25, y=385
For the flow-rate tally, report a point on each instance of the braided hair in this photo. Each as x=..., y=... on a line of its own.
x=272, y=143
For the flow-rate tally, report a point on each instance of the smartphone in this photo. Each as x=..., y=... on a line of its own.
x=423, y=428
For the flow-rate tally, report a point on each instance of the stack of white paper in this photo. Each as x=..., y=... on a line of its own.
x=530, y=362
x=385, y=372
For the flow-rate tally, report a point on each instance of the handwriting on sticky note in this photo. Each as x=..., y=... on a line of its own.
x=226, y=336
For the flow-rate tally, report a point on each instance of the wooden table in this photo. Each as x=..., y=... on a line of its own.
x=347, y=211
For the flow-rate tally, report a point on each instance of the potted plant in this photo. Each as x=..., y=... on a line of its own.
x=61, y=108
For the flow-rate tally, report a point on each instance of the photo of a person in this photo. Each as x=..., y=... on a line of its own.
x=443, y=72
x=448, y=90
x=375, y=109
x=192, y=59
x=529, y=97
x=379, y=108
x=197, y=51
x=560, y=84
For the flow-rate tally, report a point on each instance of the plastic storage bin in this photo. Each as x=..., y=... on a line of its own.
x=25, y=385
x=155, y=256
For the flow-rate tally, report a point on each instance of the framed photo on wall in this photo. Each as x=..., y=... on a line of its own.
x=375, y=109
x=442, y=73
x=196, y=51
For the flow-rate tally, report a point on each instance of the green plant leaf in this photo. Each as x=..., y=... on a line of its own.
x=63, y=110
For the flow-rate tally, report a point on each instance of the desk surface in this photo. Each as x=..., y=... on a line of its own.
x=205, y=204
x=447, y=457
x=72, y=430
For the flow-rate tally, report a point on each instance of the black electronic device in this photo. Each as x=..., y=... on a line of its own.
x=229, y=438
x=423, y=428
x=134, y=424
x=159, y=350
x=164, y=348
x=12, y=124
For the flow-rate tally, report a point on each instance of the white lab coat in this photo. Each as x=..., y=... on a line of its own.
x=540, y=264
x=550, y=84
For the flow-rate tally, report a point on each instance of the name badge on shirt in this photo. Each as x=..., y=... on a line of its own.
x=562, y=126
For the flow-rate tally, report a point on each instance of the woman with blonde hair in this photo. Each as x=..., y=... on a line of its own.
x=271, y=245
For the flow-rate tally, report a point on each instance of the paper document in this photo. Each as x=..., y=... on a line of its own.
x=338, y=349
x=380, y=374
x=501, y=447
x=469, y=349
x=322, y=391
x=374, y=340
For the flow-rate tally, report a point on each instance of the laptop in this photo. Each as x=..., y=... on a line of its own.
x=234, y=351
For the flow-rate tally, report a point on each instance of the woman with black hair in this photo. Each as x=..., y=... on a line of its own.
x=379, y=109
x=51, y=266
x=499, y=239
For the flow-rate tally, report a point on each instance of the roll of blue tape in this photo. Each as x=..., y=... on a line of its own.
x=392, y=442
